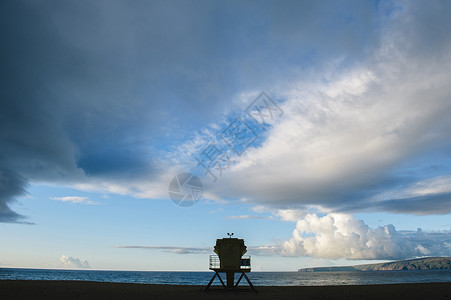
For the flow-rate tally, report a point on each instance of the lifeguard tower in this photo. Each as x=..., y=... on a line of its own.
x=230, y=259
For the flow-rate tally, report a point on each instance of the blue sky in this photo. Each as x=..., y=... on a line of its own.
x=103, y=103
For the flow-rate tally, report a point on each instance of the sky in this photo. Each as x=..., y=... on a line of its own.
x=317, y=131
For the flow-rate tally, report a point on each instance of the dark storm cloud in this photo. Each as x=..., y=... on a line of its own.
x=100, y=88
x=11, y=186
x=88, y=88
x=437, y=204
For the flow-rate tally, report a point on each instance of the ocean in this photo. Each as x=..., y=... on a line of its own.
x=257, y=278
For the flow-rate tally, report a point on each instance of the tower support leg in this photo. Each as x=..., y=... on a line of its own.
x=213, y=278
x=250, y=283
x=230, y=279
x=239, y=279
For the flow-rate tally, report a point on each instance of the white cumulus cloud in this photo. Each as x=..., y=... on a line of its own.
x=72, y=262
x=342, y=236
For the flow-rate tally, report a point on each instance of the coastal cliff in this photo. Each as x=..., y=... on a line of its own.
x=428, y=263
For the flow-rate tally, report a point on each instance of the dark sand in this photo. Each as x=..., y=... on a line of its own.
x=21, y=289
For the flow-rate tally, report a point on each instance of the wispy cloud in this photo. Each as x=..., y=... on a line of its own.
x=176, y=250
x=274, y=249
x=250, y=217
x=265, y=250
x=75, y=199
x=287, y=214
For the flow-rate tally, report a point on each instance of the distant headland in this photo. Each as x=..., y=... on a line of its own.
x=428, y=263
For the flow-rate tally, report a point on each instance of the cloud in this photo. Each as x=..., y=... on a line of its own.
x=71, y=262
x=289, y=215
x=338, y=236
x=380, y=125
x=12, y=185
x=113, y=98
x=254, y=250
x=432, y=204
x=435, y=191
x=249, y=217
x=342, y=236
x=75, y=199
x=175, y=250
x=265, y=250
x=97, y=95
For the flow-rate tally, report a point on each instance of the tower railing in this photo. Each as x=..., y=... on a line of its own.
x=245, y=262
x=215, y=263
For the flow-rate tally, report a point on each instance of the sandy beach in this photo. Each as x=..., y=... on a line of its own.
x=20, y=289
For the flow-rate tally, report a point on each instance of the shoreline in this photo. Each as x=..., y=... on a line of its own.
x=47, y=289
